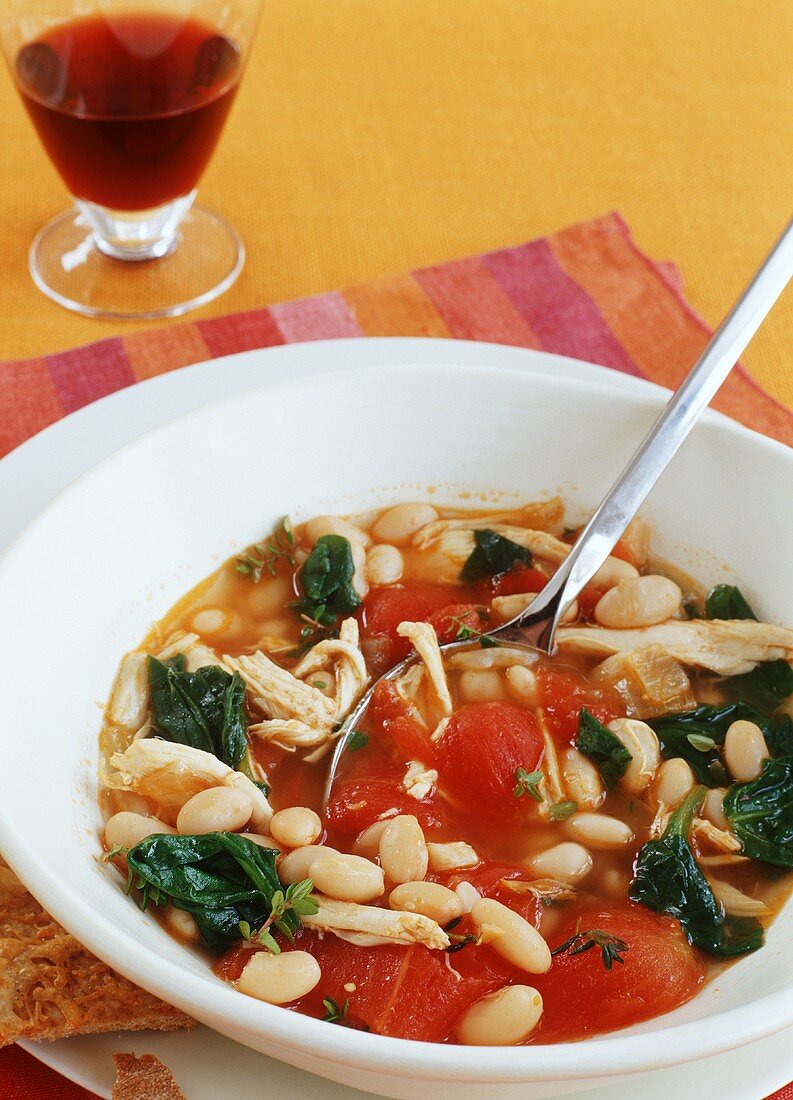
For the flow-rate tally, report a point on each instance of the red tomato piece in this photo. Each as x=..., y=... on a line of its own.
x=406, y=992
x=385, y=608
x=481, y=749
x=455, y=620
x=489, y=878
x=563, y=692
x=587, y=602
x=660, y=972
x=360, y=800
x=389, y=718
x=521, y=579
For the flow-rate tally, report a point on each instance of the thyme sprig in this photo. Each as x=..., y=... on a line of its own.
x=296, y=900
x=527, y=784
x=612, y=948
x=264, y=557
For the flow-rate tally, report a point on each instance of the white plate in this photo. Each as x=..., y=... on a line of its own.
x=37, y=471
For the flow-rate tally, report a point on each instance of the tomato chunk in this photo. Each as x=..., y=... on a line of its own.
x=563, y=692
x=457, y=620
x=385, y=608
x=390, y=719
x=361, y=799
x=521, y=579
x=481, y=749
x=406, y=992
x=660, y=971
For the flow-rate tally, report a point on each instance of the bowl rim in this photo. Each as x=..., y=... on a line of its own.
x=220, y=1005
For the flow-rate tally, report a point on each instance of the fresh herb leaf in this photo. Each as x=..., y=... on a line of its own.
x=265, y=556
x=326, y=582
x=726, y=601
x=527, y=783
x=492, y=555
x=116, y=850
x=358, y=740
x=203, y=709
x=457, y=943
x=488, y=643
x=760, y=813
x=335, y=1014
x=600, y=745
x=296, y=900
x=611, y=947
x=560, y=811
x=668, y=879
x=224, y=880
x=675, y=732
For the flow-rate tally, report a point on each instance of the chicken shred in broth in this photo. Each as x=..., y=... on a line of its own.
x=518, y=849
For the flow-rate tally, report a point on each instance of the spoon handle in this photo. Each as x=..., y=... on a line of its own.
x=659, y=447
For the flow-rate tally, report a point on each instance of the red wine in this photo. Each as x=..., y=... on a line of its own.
x=129, y=107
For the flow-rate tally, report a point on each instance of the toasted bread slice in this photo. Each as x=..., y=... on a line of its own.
x=144, y=1078
x=51, y=987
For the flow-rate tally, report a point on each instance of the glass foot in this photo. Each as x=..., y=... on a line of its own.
x=68, y=267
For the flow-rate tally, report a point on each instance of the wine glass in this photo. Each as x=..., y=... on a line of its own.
x=129, y=99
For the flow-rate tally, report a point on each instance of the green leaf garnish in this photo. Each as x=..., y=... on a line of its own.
x=700, y=742
x=266, y=556
x=560, y=811
x=611, y=947
x=492, y=555
x=203, y=709
x=527, y=783
x=326, y=583
x=600, y=745
x=488, y=643
x=668, y=879
x=726, y=601
x=335, y=1014
x=358, y=740
x=760, y=813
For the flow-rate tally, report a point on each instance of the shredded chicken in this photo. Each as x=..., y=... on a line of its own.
x=551, y=787
x=171, y=774
x=129, y=700
x=455, y=539
x=728, y=647
x=425, y=640
x=298, y=714
x=418, y=781
x=386, y=926
x=735, y=902
x=409, y=685
x=453, y=856
x=721, y=839
x=196, y=654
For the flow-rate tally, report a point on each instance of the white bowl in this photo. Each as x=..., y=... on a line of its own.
x=83, y=583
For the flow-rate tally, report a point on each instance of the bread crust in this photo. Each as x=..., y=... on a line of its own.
x=144, y=1077
x=51, y=987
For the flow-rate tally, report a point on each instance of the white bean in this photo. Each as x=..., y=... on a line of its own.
x=673, y=782
x=359, y=578
x=384, y=564
x=295, y=827
x=126, y=829
x=567, y=862
x=293, y=867
x=599, y=830
x=481, y=686
x=346, y=878
x=468, y=895
x=428, y=898
x=367, y=843
x=398, y=524
x=279, y=979
x=513, y=937
x=403, y=850
x=212, y=620
x=522, y=683
x=611, y=572
x=582, y=779
x=217, y=810
x=182, y=925
x=320, y=526
x=745, y=750
x=638, y=601
x=503, y=1018
x=713, y=808
x=641, y=742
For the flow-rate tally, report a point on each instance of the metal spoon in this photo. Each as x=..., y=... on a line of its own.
x=535, y=627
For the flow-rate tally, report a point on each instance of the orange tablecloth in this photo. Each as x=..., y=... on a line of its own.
x=372, y=137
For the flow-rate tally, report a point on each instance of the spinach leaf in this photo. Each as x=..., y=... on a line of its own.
x=761, y=813
x=695, y=735
x=726, y=601
x=326, y=580
x=221, y=879
x=668, y=879
x=600, y=745
x=204, y=709
x=771, y=682
x=493, y=554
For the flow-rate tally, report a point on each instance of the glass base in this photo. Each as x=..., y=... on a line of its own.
x=68, y=267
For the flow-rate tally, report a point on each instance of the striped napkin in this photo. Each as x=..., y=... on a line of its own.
x=587, y=292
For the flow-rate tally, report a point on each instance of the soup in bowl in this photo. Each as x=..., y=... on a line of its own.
x=507, y=830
